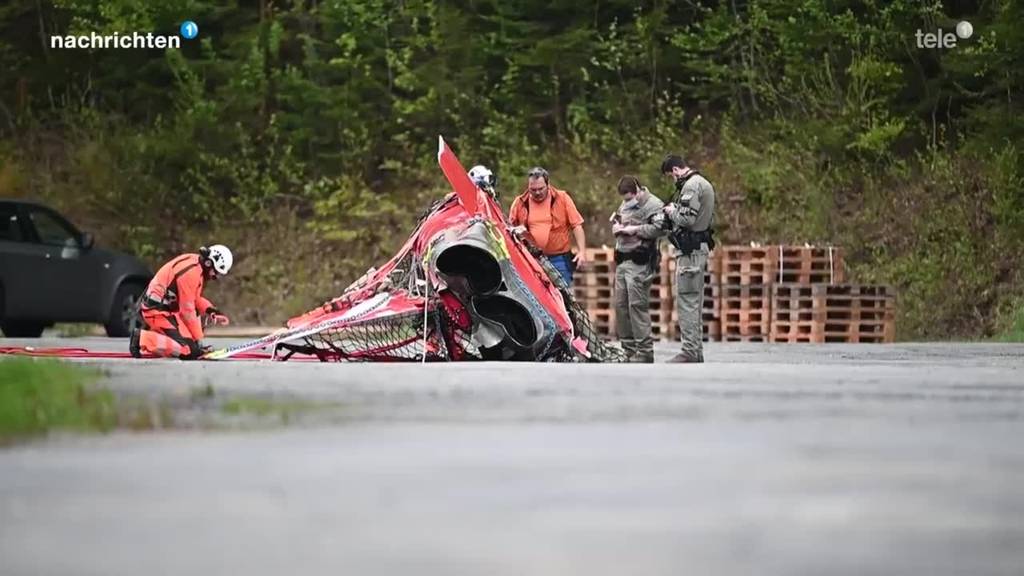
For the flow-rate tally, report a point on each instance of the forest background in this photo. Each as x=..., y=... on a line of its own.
x=303, y=133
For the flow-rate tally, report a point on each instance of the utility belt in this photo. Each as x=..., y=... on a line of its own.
x=168, y=304
x=688, y=241
x=641, y=257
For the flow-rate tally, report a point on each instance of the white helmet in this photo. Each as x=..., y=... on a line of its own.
x=483, y=178
x=220, y=256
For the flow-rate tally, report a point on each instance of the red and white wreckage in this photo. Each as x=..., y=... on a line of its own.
x=462, y=287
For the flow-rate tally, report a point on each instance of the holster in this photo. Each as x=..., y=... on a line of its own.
x=688, y=241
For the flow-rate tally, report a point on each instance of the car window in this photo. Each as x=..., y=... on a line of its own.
x=50, y=230
x=10, y=228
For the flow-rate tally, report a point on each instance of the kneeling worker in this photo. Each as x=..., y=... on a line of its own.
x=637, y=225
x=173, y=303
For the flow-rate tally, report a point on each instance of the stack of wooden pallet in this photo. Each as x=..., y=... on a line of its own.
x=755, y=294
x=747, y=275
x=594, y=289
x=833, y=313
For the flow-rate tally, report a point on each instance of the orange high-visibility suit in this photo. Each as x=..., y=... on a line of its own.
x=171, y=308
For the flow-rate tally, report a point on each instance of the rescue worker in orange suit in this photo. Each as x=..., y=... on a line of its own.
x=173, y=304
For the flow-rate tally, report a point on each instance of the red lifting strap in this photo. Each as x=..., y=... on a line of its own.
x=86, y=353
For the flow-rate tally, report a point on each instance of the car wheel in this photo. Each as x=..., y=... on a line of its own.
x=22, y=328
x=123, y=312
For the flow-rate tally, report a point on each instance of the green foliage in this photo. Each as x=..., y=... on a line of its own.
x=784, y=189
x=305, y=133
x=1006, y=172
x=1011, y=325
x=41, y=395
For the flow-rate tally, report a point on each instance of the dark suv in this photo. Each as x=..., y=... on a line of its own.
x=51, y=272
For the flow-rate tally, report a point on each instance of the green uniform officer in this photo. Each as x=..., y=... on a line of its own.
x=691, y=214
x=637, y=225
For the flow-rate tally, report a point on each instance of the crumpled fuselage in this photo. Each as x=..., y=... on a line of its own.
x=461, y=287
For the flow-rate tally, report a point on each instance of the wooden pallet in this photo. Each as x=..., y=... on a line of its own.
x=857, y=313
x=603, y=321
x=745, y=313
x=833, y=313
x=594, y=290
x=711, y=314
x=592, y=277
x=595, y=293
x=806, y=332
x=599, y=270
x=748, y=266
x=602, y=254
x=661, y=324
x=795, y=315
x=810, y=265
x=744, y=300
x=661, y=285
x=715, y=265
x=589, y=279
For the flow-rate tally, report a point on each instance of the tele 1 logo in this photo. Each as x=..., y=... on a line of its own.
x=942, y=39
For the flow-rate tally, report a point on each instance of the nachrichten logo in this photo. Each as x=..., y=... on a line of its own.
x=133, y=40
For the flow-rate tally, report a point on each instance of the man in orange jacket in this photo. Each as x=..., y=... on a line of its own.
x=173, y=303
x=548, y=217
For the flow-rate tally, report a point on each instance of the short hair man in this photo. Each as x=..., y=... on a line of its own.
x=691, y=213
x=550, y=217
x=636, y=225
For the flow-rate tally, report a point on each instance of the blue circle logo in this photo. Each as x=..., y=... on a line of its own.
x=189, y=29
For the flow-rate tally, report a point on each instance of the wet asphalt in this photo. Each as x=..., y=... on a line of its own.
x=767, y=459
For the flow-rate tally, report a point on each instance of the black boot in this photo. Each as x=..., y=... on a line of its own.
x=682, y=358
x=133, y=343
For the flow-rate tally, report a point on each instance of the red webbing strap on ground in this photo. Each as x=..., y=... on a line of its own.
x=86, y=353
x=59, y=352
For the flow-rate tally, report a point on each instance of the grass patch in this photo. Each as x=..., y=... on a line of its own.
x=37, y=396
x=1014, y=330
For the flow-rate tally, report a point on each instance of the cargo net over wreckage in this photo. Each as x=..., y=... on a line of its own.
x=462, y=287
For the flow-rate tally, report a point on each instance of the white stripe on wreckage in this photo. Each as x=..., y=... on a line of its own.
x=286, y=335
